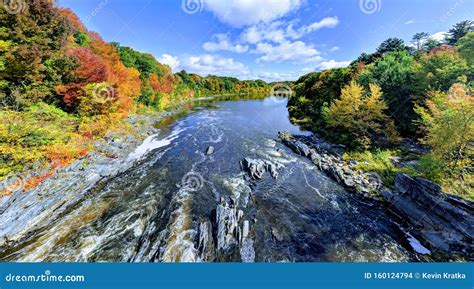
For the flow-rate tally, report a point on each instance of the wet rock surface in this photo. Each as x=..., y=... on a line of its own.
x=444, y=222
x=257, y=168
x=328, y=158
x=24, y=213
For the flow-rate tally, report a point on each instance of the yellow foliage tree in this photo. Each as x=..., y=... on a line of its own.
x=358, y=116
x=449, y=122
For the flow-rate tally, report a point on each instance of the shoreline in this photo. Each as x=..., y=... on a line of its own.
x=24, y=212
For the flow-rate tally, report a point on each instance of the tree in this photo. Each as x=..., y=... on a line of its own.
x=459, y=30
x=397, y=74
x=441, y=68
x=449, y=121
x=315, y=89
x=419, y=39
x=358, y=116
x=430, y=44
x=465, y=47
x=391, y=45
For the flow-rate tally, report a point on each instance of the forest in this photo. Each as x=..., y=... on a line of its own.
x=401, y=95
x=62, y=87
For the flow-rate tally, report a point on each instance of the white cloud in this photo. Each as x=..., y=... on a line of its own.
x=332, y=64
x=271, y=32
x=439, y=36
x=334, y=49
x=297, y=51
x=241, y=13
x=212, y=64
x=328, y=22
x=170, y=60
x=223, y=43
x=409, y=22
x=280, y=31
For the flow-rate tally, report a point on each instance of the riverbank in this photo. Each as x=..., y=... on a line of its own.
x=443, y=222
x=26, y=211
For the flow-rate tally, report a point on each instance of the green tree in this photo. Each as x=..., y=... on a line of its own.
x=419, y=40
x=459, y=30
x=443, y=68
x=397, y=74
x=430, y=44
x=465, y=46
x=391, y=45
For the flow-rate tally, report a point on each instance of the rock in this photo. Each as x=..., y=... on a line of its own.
x=272, y=169
x=210, y=150
x=257, y=168
x=445, y=222
x=276, y=234
x=353, y=163
x=227, y=225
x=245, y=230
x=247, y=252
x=206, y=242
x=328, y=158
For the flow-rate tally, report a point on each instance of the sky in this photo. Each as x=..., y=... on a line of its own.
x=274, y=40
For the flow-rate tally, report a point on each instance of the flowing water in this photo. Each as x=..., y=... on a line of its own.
x=180, y=204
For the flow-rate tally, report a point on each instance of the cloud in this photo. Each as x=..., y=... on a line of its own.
x=280, y=31
x=224, y=43
x=328, y=22
x=297, y=51
x=170, y=60
x=409, y=22
x=439, y=36
x=207, y=64
x=277, y=76
x=332, y=64
x=334, y=49
x=239, y=13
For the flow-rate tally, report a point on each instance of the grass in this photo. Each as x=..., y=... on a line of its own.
x=381, y=162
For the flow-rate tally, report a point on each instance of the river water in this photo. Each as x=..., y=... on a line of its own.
x=179, y=204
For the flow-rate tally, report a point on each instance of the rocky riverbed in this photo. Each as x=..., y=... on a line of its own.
x=25, y=212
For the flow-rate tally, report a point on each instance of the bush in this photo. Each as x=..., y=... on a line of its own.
x=378, y=161
x=31, y=136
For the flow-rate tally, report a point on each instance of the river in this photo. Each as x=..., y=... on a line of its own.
x=180, y=204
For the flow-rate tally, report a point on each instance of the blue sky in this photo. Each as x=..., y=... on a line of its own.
x=269, y=39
